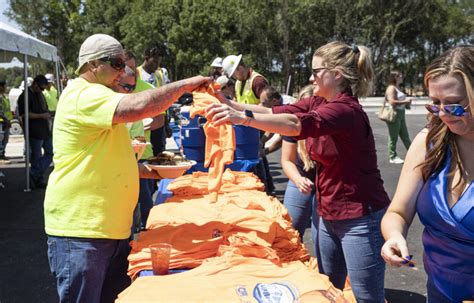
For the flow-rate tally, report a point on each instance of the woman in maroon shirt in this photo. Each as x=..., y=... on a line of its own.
x=339, y=138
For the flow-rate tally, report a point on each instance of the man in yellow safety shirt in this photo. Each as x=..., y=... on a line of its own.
x=93, y=189
x=51, y=94
x=249, y=84
x=131, y=83
x=151, y=72
x=6, y=116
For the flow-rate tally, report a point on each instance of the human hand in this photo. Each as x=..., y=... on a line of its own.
x=395, y=251
x=221, y=113
x=46, y=116
x=304, y=185
x=147, y=173
x=194, y=82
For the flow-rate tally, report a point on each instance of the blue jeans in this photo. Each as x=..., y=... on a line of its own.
x=4, y=141
x=40, y=161
x=353, y=247
x=300, y=207
x=88, y=270
x=145, y=198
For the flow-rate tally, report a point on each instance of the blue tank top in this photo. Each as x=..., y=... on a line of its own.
x=448, y=237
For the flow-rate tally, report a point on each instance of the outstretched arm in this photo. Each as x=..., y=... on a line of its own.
x=284, y=124
x=152, y=102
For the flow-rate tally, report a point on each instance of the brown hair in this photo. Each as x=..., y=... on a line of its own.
x=456, y=61
x=392, y=77
x=353, y=62
x=308, y=164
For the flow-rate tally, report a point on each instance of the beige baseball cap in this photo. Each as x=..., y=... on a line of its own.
x=98, y=46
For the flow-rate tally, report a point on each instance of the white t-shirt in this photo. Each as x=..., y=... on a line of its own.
x=401, y=96
x=150, y=78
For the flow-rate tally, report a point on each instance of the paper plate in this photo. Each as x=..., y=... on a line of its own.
x=171, y=171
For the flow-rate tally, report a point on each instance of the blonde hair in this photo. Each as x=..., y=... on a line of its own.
x=456, y=61
x=354, y=63
x=308, y=164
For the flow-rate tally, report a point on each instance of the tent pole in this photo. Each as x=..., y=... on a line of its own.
x=60, y=89
x=26, y=124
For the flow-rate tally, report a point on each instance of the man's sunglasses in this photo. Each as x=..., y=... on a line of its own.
x=115, y=63
x=451, y=109
x=128, y=87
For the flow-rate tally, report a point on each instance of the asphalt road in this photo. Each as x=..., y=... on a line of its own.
x=24, y=270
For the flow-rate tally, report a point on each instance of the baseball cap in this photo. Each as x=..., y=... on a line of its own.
x=98, y=46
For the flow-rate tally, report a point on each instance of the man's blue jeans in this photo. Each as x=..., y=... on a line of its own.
x=353, y=247
x=88, y=270
x=300, y=207
x=40, y=161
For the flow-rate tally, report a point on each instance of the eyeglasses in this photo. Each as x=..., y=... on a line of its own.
x=128, y=87
x=451, y=109
x=115, y=63
x=316, y=71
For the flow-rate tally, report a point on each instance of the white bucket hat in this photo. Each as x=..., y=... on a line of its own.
x=98, y=46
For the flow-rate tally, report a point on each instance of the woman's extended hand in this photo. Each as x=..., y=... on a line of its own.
x=395, y=251
x=221, y=113
x=304, y=185
x=144, y=172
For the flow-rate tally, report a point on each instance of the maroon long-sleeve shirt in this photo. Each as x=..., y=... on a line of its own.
x=339, y=138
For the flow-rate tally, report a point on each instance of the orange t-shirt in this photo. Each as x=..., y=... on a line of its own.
x=233, y=278
x=220, y=140
x=197, y=183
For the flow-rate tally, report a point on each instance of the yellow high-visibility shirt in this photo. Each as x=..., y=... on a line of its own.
x=93, y=188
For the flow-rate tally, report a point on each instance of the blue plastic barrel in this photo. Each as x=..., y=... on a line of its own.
x=247, y=141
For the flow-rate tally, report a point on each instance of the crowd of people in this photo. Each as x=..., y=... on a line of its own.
x=328, y=154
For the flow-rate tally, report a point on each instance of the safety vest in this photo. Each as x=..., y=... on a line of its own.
x=5, y=108
x=248, y=96
x=158, y=74
x=51, y=97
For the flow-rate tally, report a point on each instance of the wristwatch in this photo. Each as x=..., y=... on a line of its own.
x=249, y=115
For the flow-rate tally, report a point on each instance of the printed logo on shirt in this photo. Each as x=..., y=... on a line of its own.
x=275, y=292
x=242, y=293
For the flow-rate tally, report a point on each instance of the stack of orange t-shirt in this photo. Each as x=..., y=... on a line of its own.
x=220, y=140
x=197, y=183
x=249, y=223
x=233, y=278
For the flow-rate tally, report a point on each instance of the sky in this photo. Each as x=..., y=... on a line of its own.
x=4, y=5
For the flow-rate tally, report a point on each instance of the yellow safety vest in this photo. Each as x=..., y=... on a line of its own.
x=248, y=96
x=158, y=74
x=5, y=108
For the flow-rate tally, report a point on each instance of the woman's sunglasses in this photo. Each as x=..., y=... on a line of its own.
x=451, y=109
x=115, y=63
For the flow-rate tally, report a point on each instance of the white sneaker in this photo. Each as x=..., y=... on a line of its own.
x=396, y=160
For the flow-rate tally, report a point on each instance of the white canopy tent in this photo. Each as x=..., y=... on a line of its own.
x=15, y=43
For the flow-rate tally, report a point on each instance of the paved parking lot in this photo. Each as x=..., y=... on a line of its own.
x=24, y=271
